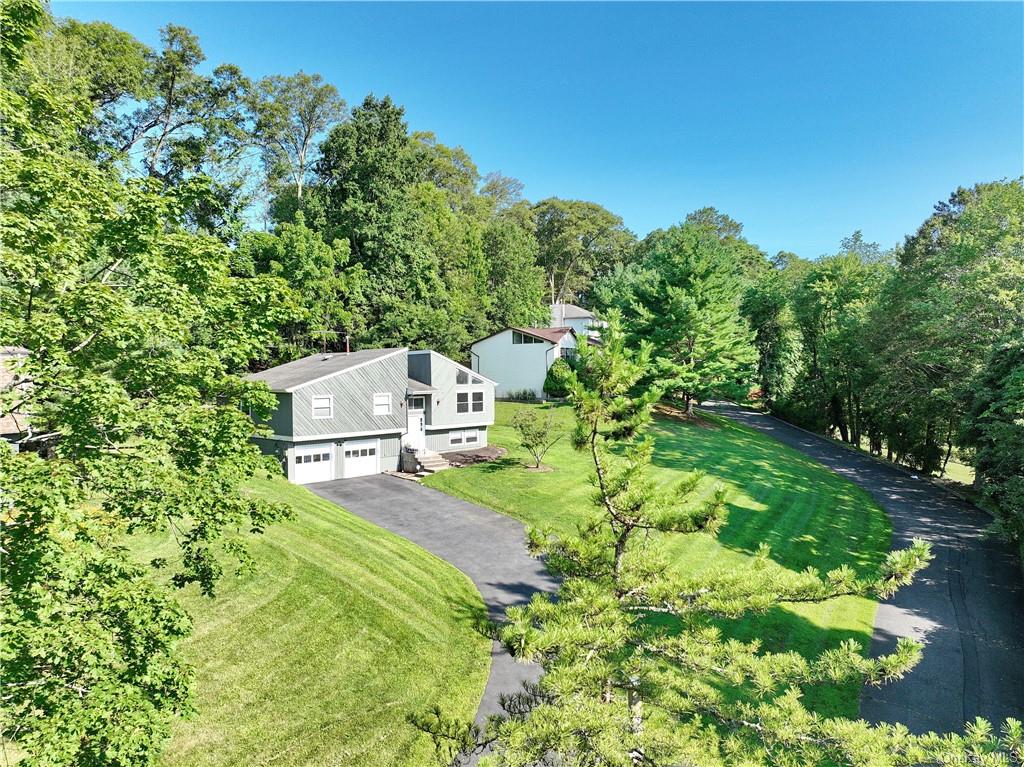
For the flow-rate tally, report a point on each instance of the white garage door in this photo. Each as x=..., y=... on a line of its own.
x=360, y=458
x=313, y=463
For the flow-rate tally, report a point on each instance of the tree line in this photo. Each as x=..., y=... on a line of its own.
x=130, y=181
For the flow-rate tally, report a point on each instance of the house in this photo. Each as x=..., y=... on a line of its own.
x=583, y=321
x=520, y=357
x=345, y=415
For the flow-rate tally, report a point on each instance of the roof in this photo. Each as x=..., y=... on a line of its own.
x=551, y=335
x=418, y=387
x=293, y=375
x=571, y=312
x=554, y=335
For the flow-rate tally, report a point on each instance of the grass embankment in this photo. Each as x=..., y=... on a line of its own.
x=317, y=658
x=808, y=515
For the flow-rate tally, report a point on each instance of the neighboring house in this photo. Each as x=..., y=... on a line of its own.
x=13, y=425
x=519, y=358
x=348, y=415
x=583, y=321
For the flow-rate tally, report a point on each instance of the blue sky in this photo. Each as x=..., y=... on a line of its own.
x=804, y=121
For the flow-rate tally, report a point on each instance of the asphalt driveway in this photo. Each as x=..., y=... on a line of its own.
x=967, y=606
x=487, y=546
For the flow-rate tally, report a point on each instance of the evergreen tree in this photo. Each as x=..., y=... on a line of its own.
x=684, y=300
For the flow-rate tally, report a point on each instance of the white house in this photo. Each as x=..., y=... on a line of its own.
x=583, y=321
x=519, y=358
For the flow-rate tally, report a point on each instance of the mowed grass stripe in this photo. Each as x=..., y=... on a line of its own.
x=808, y=515
x=319, y=656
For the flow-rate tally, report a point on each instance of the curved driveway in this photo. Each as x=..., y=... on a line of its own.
x=967, y=606
x=488, y=547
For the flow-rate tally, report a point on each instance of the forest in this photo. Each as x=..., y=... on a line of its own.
x=170, y=225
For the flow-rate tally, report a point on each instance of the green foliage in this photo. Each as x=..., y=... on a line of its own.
x=766, y=307
x=91, y=673
x=683, y=296
x=329, y=289
x=292, y=112
x=556, y=382
x=536, y=432
x=136, y=332
x=578, y=242
x=995, y=430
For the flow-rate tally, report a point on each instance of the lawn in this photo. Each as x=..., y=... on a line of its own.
x=317, y=658
x=807, y=514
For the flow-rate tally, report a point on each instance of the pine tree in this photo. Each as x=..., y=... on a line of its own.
x=639, y=668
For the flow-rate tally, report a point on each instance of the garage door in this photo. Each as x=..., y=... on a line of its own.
x=313, y=463
x=359, y=458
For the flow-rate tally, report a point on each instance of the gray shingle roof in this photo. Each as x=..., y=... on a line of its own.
x=292, y=375
x=418, y=387
x=562, y=312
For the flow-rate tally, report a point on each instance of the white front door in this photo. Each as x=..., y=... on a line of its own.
x=415, y=434
x=359, y=458
x=313, y=463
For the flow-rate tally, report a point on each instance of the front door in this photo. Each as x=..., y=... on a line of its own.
x=415, y=434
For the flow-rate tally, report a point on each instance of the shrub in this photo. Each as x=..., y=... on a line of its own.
x=555, y=384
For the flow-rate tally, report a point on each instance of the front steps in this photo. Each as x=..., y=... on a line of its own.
x=429, y=462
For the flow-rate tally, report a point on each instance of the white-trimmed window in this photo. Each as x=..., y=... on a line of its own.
x=461, y=378
x=417, y=403
x=464, y=437
x=462, y=402
x=478, y=402
x=323, y=407
x=382, y=403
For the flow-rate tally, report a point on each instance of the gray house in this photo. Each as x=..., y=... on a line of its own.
x=348, y=415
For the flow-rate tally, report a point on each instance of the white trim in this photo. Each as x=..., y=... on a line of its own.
x=336, y=435
x=291, y=389
x=456, y=364
x=313, y=407
x=381, y=394
x=477, y=425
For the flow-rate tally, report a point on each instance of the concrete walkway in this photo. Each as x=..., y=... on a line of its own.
x=488, y=547
x=967, y=606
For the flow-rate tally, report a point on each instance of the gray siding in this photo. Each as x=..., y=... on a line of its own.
x=442, y=412
x=353, y=392
x=419, y=367
x=438, y=441
x=280, y=421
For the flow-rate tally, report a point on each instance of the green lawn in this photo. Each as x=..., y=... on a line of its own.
x=317, y=658
x=807, y=514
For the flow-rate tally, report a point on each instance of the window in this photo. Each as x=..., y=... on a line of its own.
x=567, y=353
x=417, y=403
x=323, y=407
x=298, y=459
x=464, y=437
x=478, y=381
x=462, y=402
x=478, y=402
x=522, y=338
x=382, y=404
x=462, y=378
x=316, y=458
